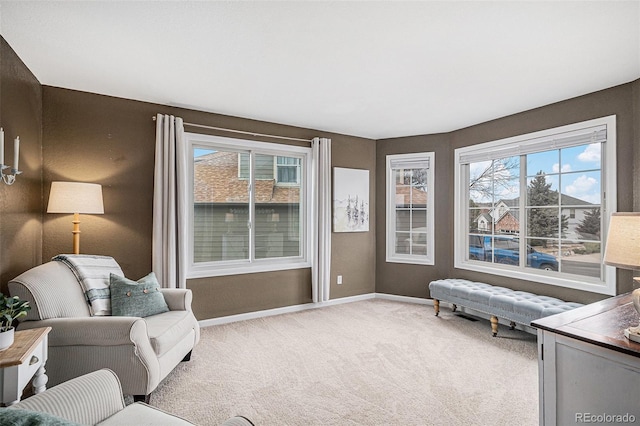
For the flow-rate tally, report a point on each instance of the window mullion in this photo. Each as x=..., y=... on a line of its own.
x=465, y=173
x=410, y=211
x=252, y=209
x=394, y=209
x=522, y=202
x=275, y=168
x=559, y=214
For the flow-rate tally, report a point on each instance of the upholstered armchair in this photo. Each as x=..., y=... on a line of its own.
x=93, y=399
x=141, y=351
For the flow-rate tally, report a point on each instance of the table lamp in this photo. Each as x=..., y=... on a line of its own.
x=623, y=251
x=76, y=198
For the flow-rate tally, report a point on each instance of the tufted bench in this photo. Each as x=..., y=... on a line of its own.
x=499, y=302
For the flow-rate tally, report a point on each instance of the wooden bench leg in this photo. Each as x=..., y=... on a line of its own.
x=436, y=306
x=454, y=307
x=494, y=325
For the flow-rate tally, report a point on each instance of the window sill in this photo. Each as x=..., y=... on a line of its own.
x=237, y=268
x=410, y=260
x=552, y=278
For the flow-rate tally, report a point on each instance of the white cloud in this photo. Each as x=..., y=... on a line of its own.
x=591, y=153
x=584, y=188
x=565, y=168
x=509, y=190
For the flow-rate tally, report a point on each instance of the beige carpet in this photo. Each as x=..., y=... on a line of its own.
x=373, y=362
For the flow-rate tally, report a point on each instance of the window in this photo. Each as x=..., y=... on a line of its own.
x=287, y=170
x=546, y=194
x=240, y=219
x=410, y=208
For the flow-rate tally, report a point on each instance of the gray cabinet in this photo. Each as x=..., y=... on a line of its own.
x=588, y=371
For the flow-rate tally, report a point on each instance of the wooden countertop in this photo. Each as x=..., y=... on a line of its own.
x=23, y=345
x=600, y=323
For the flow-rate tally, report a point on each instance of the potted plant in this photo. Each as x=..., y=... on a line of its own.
x=11, y=308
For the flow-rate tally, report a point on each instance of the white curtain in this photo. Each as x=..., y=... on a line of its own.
x=321, y=270
x=169, y=203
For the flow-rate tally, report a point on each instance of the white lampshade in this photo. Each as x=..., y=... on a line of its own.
x=623, y=241
x=75, y=197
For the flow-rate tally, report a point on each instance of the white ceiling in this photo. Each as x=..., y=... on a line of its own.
x=371, y=69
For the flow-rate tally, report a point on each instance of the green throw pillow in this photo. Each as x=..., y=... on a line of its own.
x=136, y=298
x=20, y=417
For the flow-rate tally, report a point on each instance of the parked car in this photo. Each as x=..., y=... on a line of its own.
x=506, y=250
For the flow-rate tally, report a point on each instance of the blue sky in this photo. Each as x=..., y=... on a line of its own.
x=575, y=169
x=197, y=152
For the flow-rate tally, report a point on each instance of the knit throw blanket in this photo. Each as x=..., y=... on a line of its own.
x=92, y=273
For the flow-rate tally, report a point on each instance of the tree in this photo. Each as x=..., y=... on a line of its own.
x=473, y=225
x=494, y=179
x=564, y=225
x=419, y=179
x=589, y=227
x=543, y=221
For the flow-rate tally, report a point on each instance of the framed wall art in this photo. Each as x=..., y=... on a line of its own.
x=350, y=200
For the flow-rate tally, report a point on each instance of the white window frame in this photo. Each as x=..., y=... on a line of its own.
x=391, y=255
x=251, y=265
x=524, y=143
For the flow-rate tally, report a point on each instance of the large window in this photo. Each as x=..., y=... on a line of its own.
x=546, y=195
x=249, y=206
x=410, y=208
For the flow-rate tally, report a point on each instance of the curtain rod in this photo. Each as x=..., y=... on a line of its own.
x=243, y=132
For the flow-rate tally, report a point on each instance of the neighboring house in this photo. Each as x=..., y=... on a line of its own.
x=410, y=196
x=574, y=212
x=505, y=216
x=483, y=222
x=221, y=201
x=508, y=222
x=411, y=210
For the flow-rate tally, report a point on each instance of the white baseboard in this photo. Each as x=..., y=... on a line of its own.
x=307, y=306
x=283, y=310
x=406, y=299
x=350, y=299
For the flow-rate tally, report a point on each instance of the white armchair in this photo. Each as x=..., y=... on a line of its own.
x=141, y=351
x=96, y=399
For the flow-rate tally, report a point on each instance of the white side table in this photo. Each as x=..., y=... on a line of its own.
x=23, y=361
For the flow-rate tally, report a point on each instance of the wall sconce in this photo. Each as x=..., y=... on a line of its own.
x=9, y=178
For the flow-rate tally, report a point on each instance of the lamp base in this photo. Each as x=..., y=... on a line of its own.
x=633, y=334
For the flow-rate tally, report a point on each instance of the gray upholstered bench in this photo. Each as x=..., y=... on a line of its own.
x=519, y=307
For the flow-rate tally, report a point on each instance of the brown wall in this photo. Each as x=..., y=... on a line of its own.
x=405, y=279
x=413, y=280
x=20, y=203
x=110, y=141
x=353, y=254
